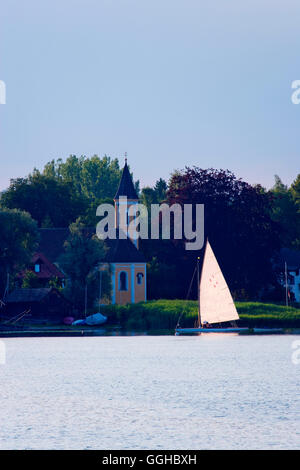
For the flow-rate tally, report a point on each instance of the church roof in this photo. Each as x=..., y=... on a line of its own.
x=126, y=187
x=123, y=251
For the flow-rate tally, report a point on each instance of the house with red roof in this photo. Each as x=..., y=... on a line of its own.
x=45, y=270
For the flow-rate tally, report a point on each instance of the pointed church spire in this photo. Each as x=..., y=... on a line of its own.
x=126, y=187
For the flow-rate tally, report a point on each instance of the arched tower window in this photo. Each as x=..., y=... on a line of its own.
x=123, y=281
x=139, y=278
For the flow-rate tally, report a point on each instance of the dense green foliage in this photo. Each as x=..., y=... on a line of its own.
x=154, y=195
x=64, y=191
x=31, y=281
x=246, y=225
x=164, y=314
x=52, y=203
x=238, y=224
x=285, y=211
x=80, y=262
x=94, y=178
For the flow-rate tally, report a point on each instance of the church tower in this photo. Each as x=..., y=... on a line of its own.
x=126, y=194
x=128, y=264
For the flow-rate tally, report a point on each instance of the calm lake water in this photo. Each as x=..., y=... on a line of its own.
x=150, y=392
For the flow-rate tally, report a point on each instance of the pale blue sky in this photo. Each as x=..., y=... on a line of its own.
x=171, y=82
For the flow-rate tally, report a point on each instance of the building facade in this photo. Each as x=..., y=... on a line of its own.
x=291, y=258
x=128, y=265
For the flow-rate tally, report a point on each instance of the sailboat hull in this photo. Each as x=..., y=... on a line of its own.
x=181, y=331
x=186, y=331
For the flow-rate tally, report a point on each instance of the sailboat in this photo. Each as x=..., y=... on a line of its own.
x=215, y=303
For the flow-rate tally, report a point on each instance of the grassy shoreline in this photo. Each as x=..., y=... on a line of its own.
x=164, y=314
x=160, y=317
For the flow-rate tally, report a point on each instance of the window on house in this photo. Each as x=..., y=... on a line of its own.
x=37, y=268
x=139, y=278
x=123, y=284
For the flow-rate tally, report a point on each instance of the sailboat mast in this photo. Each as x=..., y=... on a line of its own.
x=198, y=288
x=286, y=285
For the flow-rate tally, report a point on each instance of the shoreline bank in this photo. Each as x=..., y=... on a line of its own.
x=159, y=317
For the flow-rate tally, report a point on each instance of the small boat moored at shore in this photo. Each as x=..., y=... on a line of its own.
x=91, y=320
x=96, y=319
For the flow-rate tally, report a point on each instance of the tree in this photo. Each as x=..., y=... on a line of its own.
x=286, y=213
x=160, y=189
x=31, y=280
x=295, y=190
x=56, y=283
x=237, y=223
x=161, y=280
x=18, y=240
x=148, y=197
x=64, y=191
x=95, y=178
x=80, y=262
x=154, y=195
x=52, y=203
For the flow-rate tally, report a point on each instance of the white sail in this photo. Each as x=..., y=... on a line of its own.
x=216, y=303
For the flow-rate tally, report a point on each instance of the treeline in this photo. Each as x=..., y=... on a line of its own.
x=247, y=225
x=64, y=191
